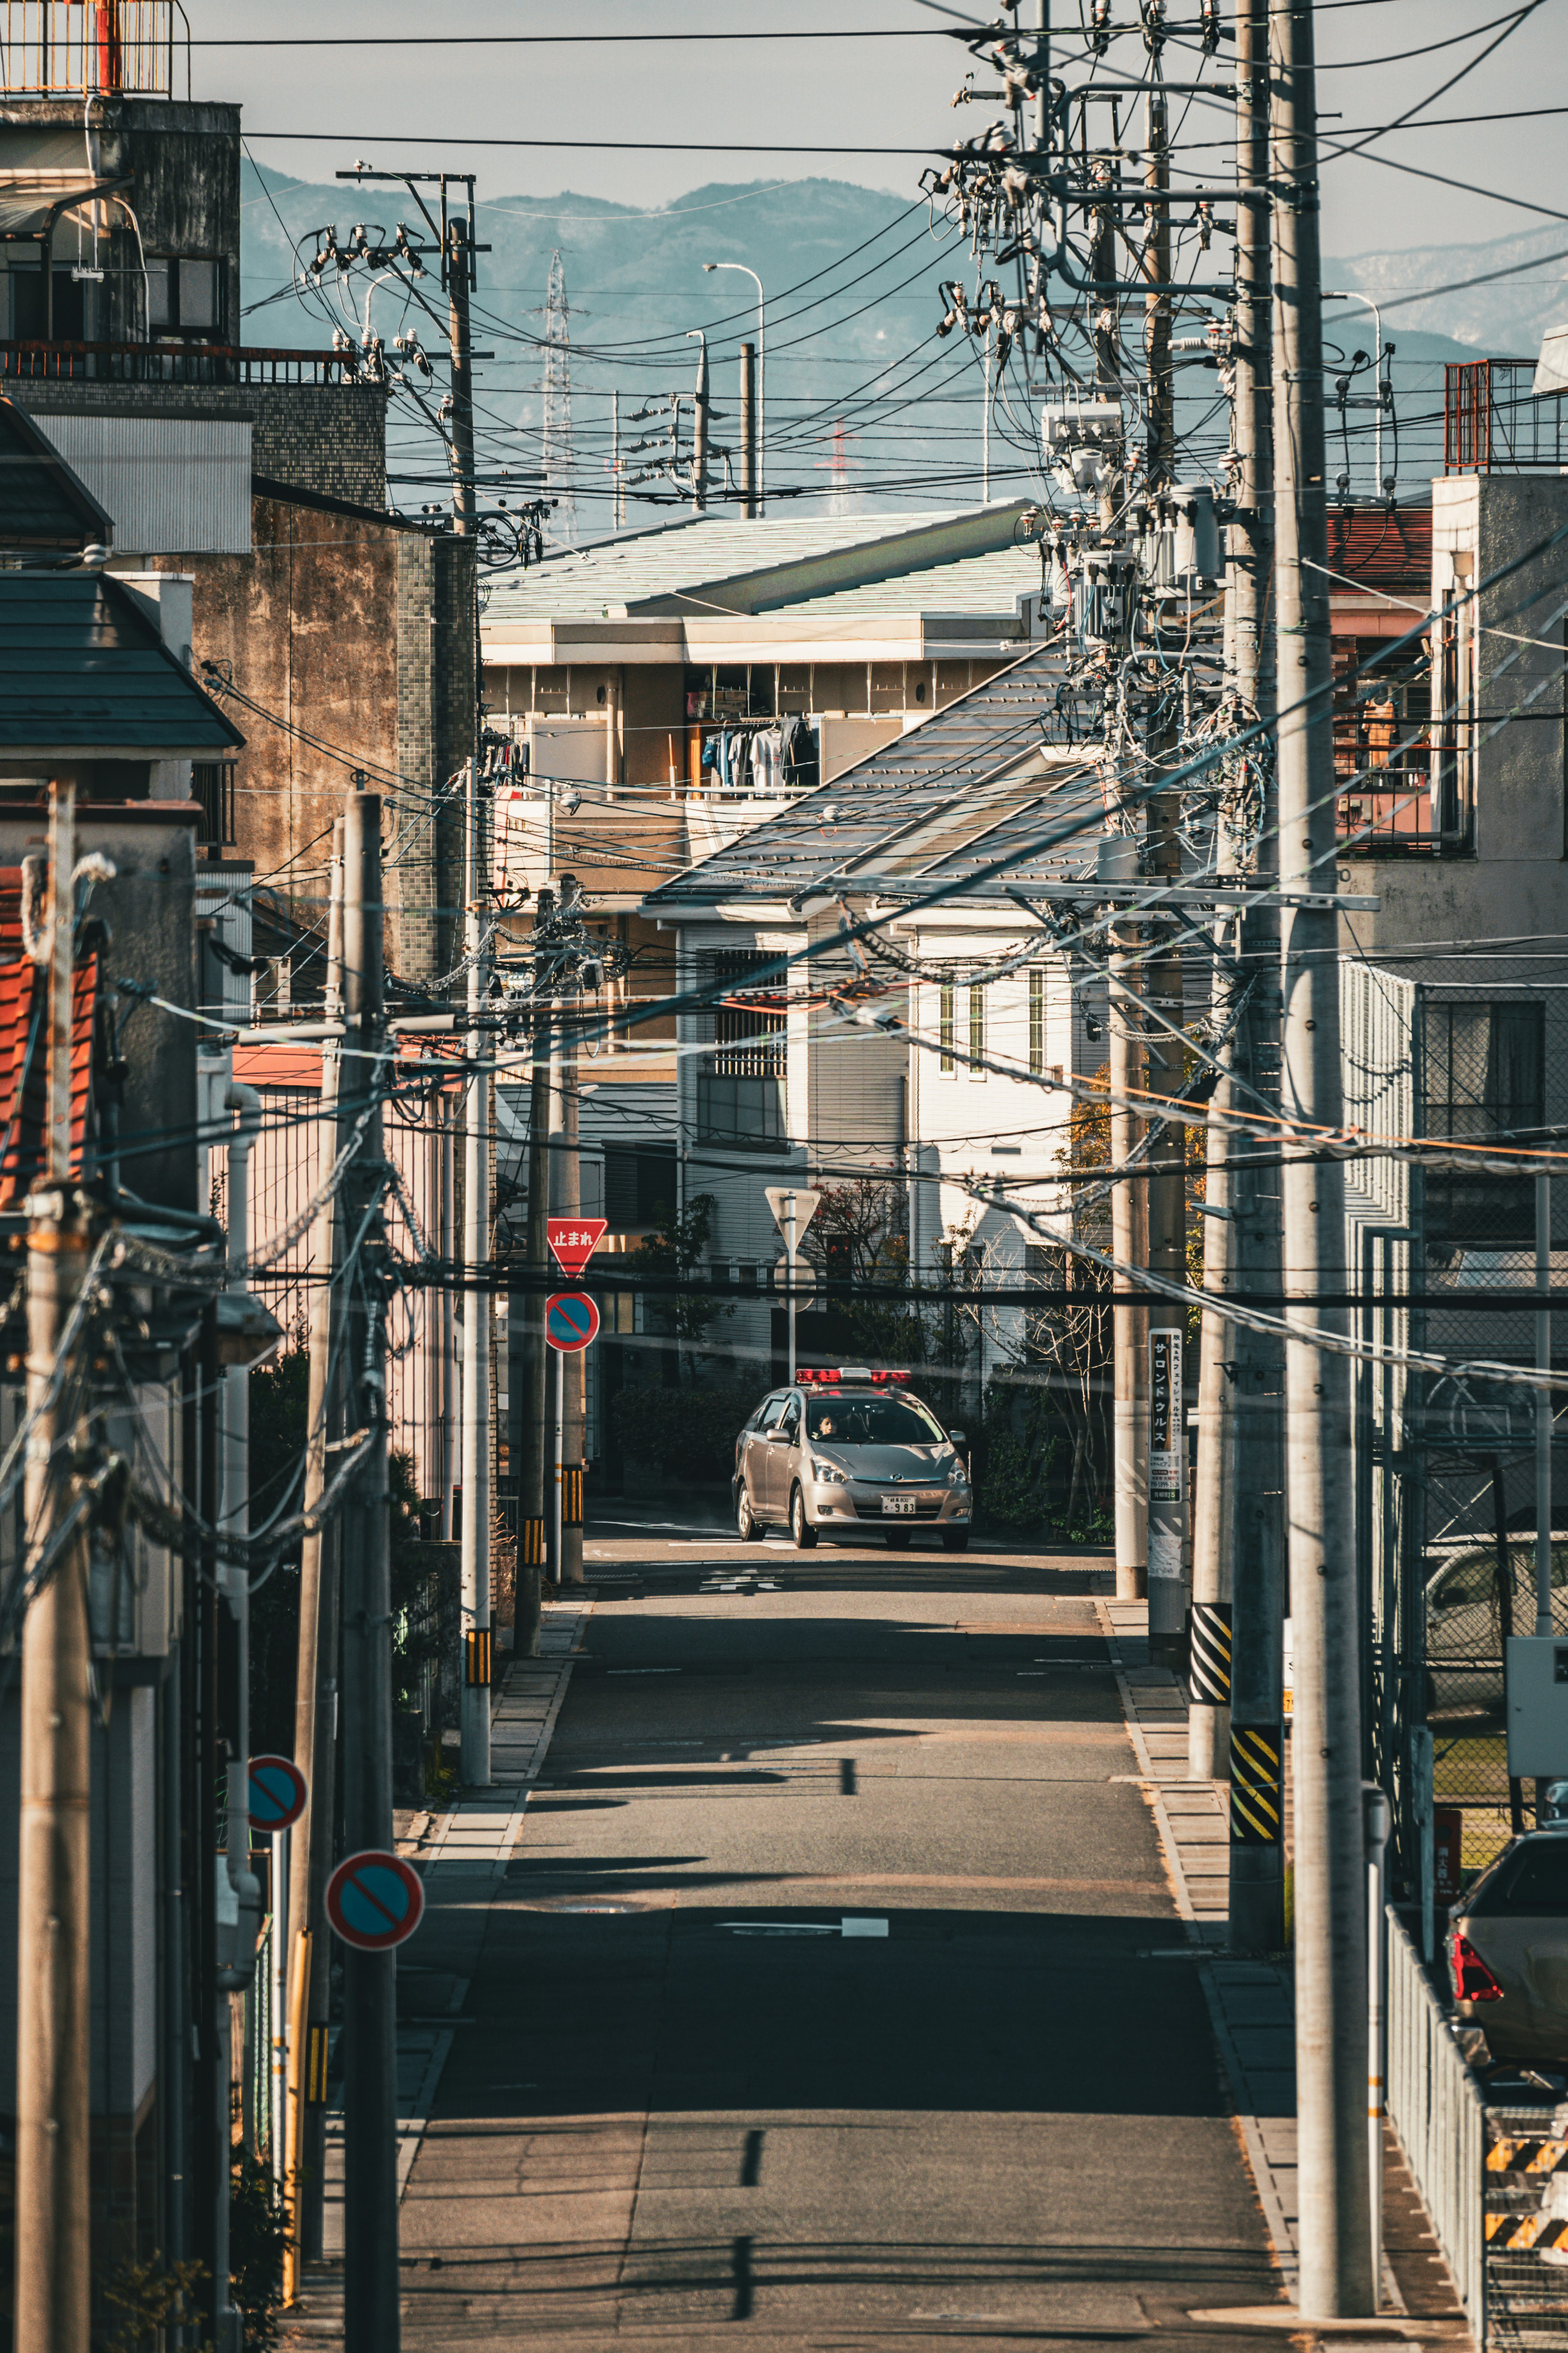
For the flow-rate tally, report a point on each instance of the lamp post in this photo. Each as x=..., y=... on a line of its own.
x=762, y=374
x=1368, y=304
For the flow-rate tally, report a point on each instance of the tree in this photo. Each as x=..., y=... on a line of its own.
x=859, y=1235
x=680, y=1248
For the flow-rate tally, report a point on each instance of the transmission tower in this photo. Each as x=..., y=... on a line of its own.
x=559, y=458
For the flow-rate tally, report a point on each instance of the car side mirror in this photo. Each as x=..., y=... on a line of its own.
x=778, y=1437
x=956, y=1438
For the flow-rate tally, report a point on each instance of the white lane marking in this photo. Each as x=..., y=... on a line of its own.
x=644, y=1671
x=848, y=1926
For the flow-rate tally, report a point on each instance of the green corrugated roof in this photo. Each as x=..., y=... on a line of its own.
x=82, y=668
x=709, y=565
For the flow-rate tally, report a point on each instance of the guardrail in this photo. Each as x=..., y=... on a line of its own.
x=1436, y=2107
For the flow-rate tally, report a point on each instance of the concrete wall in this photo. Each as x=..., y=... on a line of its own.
x=1513, y=886
x=355, y=637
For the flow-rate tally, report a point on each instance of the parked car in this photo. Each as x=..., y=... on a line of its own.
x=1508, y=1956
x=844, y=1451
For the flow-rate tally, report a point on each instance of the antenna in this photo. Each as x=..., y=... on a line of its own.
x=559, y=469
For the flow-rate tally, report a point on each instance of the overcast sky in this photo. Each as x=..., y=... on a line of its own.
x=431, y=106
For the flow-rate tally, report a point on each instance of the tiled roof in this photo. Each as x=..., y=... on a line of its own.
x=710, y=563
x=23, y=1060
x=938, y=797
x=83, y=670
x=1376, y=548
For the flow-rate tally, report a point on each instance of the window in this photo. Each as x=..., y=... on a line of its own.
x=1382, y=760
x=639, y=1187
x=1037, y=1021
x=183, y=294
x=976, y=1026
x=746, y=1114
x=212, y=784
x=945, y=1025
x=28, y=324
x=1484, y=1076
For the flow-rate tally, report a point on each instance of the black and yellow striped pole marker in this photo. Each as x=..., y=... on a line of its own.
x=1257, y=1784
x=477, y=1656
x=1210, y=1669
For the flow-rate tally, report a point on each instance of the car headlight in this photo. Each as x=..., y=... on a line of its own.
x=958, y=1476
x=826, y=1474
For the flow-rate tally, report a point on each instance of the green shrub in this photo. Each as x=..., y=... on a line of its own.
x=686, y=1433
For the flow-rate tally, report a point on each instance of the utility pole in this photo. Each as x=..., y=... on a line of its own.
x=566, y=1186
x=478, y=1122
x=1246, y=1427
x=1336, y=2279
x=1130, y=1198
x=618, y=496
x=316, y=1687
x=535, y=1451
x=54, y=1928
x=460, y=449
x=700, y=425
x=748, y=431
x=1167, y=1524
x=371, y=2286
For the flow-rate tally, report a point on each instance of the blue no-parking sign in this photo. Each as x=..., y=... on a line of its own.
x=374, y=1900
x=570, y=1320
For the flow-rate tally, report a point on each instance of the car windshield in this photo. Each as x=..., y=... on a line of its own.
x=871, y=1421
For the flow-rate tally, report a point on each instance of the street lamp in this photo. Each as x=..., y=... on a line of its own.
x=762, y=371
x=1368, y=304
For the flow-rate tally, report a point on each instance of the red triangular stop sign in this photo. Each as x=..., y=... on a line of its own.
x=573, y=1241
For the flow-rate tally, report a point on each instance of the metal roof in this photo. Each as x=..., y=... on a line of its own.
x=708, y=565
x=83, y=672
x=940, y=799
x=43, y=502
x=990, y=582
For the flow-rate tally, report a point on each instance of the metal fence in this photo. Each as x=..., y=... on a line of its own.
x=1436, y=2107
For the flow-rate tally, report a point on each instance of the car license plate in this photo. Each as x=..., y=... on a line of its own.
x=901, y=1506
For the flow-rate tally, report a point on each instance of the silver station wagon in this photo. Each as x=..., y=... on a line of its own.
x=839, y=1453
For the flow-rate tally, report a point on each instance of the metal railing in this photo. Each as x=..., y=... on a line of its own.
x=1494, y=422
x=1436, y=2107
x=231, y=364
x=72, y=47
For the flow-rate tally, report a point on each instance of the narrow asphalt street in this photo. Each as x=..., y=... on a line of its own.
x=834, y=1993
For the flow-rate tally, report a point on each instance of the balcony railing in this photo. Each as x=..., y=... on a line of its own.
x=174, y=364
x=1493, y=422
x=71, y=48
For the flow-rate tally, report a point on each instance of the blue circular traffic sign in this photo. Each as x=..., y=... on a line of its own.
x=570, y=1320
x=279, y=1792
x=374, y=1900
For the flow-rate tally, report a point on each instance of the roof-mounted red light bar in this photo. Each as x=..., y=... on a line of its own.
x=836, y=1375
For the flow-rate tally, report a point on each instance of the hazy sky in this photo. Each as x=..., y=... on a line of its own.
x=431, y=106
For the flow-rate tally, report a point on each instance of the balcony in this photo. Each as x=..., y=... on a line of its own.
x=1494, y=422
x=78, y=48
x=65, y=363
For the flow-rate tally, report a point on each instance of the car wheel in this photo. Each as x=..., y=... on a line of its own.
x=746, y=1519
x=800, y=1527
x=899, y=1539
x=955, y=1539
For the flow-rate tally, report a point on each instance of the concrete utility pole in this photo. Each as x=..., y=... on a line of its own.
x=461, y=447
x=478, y=1125
x=1129, y=1200
x=566, y=1191
x=1244, y=1420
x=536, y=1449
x=316, y=1685
x=371, y=2299
x=54, y=1928
x=748, y=431
x=700, y=425
x=1336, y=2279
x=1163, y=988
